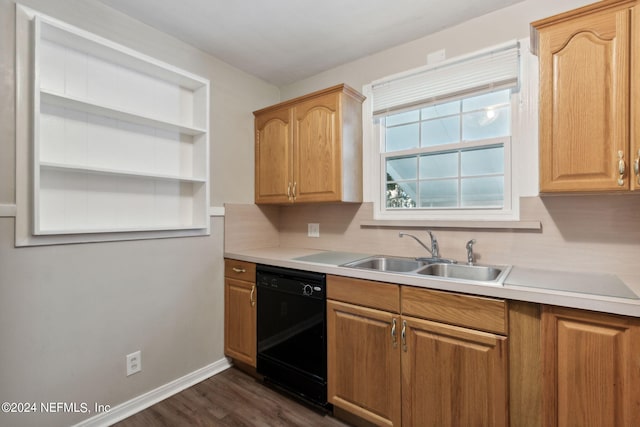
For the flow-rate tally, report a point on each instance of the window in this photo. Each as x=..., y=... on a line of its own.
x=444, y=135
x=449, y=155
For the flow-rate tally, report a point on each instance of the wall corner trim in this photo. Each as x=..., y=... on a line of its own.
x=7, y=210
x=137, y=404
x=216, y=210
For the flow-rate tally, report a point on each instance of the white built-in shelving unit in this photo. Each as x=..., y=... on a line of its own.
x=120, y=140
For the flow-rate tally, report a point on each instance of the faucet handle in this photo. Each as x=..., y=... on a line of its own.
x=469, y=246
x=435, y=249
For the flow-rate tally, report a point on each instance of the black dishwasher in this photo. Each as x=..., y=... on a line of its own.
x=292, y=344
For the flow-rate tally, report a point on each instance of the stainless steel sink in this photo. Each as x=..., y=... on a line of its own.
x=478, y=273
x=433, y=267
x=387, y=264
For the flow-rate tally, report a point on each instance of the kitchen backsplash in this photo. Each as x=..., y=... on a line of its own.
x=599, y=233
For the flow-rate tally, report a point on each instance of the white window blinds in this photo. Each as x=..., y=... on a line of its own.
x=491, y=69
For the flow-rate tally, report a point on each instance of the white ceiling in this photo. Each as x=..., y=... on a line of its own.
x=283, y=41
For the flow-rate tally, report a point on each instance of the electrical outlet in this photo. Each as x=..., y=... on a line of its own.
x=313, y=230
x=134, y=362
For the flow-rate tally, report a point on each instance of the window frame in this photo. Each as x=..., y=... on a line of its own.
x=523, y=131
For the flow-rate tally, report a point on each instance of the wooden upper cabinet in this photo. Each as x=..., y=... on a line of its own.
x=309, y=149
x=634, y=142
x=591, y=369
x=584, y=58
x=274, y=167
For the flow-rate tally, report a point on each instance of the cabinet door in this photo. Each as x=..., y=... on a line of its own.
x=240, y=321
x=364, y=362
x=635, y=101
x=591, y=369
x=452, y=376
x=317, y=161
x=584, y=97
x=273, y=151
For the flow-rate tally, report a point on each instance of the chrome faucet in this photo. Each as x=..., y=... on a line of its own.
x=434, y=250
x=470, y=256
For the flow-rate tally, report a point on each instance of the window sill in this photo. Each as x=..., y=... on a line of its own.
x=465, y=224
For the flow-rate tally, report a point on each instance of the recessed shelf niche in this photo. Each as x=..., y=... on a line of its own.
x=120, y=140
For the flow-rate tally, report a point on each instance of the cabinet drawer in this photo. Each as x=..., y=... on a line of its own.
x=486, y=314
x=240, y=270
x=365, y=293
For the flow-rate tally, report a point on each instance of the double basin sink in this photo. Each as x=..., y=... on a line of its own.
x=434, y=268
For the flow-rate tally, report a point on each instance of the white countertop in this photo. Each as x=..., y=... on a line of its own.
x=578, y=290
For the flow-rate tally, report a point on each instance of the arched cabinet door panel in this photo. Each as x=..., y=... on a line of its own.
x=317, y=150
x=584, y=101
x=273, y=150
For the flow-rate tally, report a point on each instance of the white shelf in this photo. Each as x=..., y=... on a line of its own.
x=82, y=105
x=120, y=139
x=103, y=171
x=83, y=41
x=121, y=230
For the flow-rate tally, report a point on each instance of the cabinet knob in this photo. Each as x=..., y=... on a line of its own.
x=621, y=168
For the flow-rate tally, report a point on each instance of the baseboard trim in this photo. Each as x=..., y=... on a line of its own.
x=137, y=404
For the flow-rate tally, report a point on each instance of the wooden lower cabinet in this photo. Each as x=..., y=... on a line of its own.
x=391, y=369
x=453, y=376
x=240, y=339
x=591, y=369
x=405, y=356
x=364, y=362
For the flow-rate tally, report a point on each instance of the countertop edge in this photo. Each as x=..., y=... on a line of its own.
x=285, y=257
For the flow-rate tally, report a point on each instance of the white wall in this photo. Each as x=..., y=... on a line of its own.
x=511, y=23
x=487, y=30
x=69, y=314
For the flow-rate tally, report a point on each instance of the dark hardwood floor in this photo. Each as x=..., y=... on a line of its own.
x=231, y=398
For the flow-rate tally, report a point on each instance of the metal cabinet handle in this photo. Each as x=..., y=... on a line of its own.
x=404, y=335
x=294, y=189
x=394, y=338
x=289, y=191
x=621, y=168
x=239, y=270
x=251, y=300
